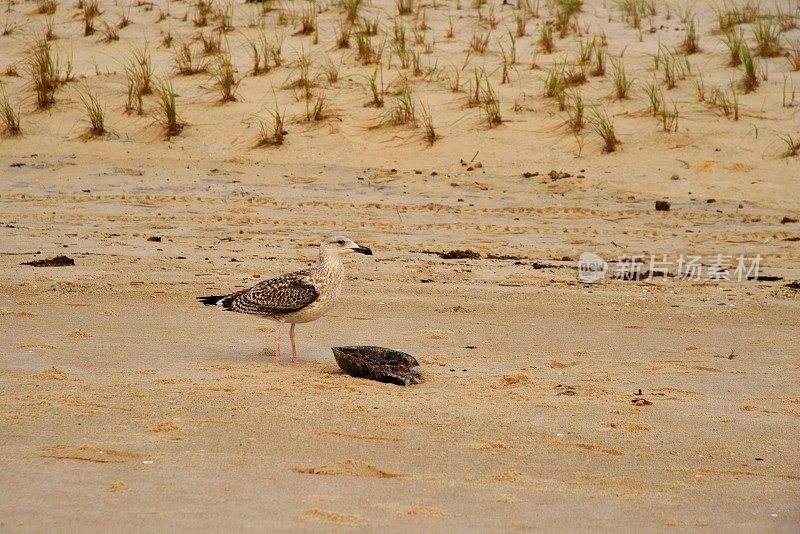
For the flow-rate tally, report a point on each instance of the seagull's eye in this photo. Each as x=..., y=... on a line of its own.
x=341, y=242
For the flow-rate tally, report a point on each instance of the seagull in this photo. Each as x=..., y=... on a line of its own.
x=298, y=297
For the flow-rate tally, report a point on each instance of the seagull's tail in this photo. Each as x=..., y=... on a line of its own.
x=216, y=300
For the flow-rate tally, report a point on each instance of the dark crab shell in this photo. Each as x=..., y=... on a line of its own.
x=378, y=363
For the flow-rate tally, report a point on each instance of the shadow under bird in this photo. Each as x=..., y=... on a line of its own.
x=298, y=297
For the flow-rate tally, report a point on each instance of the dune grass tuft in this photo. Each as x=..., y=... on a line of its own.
x=603, y=126
x=599, y=63
x=546, y=39
x=405, y=7
x=187, y=62
x=368, y=53
x=622, y=84
x=750, y=80
x=49, y=30
x=166, y=112
x=9, y=117
x=343, y=34
x=767, y=35
x=403, y=110
x=480, y=42
x=110, y=33
x=691, y=40
x=793, y=54
x=351, y=8
x=46, y=7
x=90, y=12
x=95, y=114
x=792, y=145
x=318, y=111
x=576, y=110
x=734, y=40
x=308, y=21
x=272, y=133
x=655, y=97
x=427, y=125
x=490, y=105
x=726, y=102
x=376, y=88
x=669, y=119
x=331, y=70
x=44, y=68
x=731, y=15
x=224, y=76
x=139, y=79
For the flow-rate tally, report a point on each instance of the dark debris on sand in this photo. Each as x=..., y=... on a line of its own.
x=56, y=261
x=460, y=255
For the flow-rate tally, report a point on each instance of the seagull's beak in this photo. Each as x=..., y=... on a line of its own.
x=363, y=250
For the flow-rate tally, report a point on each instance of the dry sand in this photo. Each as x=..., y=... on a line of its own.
x=126, y=405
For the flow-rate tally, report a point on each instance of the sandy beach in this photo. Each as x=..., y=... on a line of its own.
x=663, y=403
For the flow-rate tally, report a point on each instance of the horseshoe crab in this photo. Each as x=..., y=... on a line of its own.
x=378, y=363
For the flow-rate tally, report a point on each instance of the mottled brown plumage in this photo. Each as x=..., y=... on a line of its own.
x=297, y=297
x=275, y=297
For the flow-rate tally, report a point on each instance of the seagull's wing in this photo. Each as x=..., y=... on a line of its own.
x=283, y=294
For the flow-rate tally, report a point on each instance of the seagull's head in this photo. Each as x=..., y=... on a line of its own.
x=340, y=245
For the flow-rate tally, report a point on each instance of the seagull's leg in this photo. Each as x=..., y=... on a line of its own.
x=278, y=344
x=294, y=349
